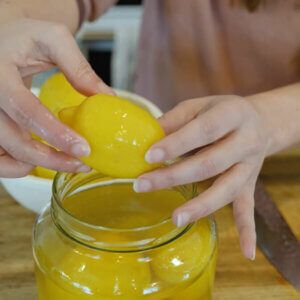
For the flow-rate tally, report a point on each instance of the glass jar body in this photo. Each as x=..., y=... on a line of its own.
x=66, y=270
x=178, y=266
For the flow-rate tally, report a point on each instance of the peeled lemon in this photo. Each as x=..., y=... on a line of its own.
x=57, y=93
x=184, y=258
x=118, y=131
x=106, y=274
x=83, y=272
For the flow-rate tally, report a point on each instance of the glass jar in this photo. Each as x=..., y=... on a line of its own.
x=99, y=240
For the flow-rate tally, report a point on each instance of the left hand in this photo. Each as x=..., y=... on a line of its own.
x=232, y=140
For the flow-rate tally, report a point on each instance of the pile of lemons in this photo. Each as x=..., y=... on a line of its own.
x=118, y=131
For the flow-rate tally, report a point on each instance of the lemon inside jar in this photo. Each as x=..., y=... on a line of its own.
x=103, y=241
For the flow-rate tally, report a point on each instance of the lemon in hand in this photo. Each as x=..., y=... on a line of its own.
x=57, y=93
x=118, y=131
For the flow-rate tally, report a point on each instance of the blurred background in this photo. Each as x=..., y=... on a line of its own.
x=110, y=44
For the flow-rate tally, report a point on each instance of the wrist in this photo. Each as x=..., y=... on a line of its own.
x=278, y=110
x=267, y=130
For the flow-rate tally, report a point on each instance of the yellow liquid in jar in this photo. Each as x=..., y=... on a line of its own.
x=169, y=272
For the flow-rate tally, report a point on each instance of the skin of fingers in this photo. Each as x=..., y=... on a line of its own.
x=27, y=111
x=205, y=164
x=19, y=48
x=181, y=114
x=243, y=209
x=19, y=145
x=206, y=128
x=11, y=168
x=2, y=151
x=42, y=45
x=70, y=59
x=37, y=51
x=27, y=71
x=223, y=191
x=27, y=81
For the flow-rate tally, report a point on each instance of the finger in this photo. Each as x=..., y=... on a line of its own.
x=2, y=151
x=223, y=191
x=181, y=114
x=70, y=60
x=19, y=145
x=37, y=67
x=11, y=168
x=27, y=81
x=207, y=128
x=27, y=111
x=243, y=209
x=207, y=163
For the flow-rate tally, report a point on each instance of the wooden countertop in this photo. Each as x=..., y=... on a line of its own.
x=236, y=277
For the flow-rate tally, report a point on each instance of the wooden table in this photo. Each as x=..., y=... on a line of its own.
x=236, y=277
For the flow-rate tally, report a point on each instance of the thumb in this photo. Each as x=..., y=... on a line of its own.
x=65, y=53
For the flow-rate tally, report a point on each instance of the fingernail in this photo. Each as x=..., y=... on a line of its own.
x=182, y=219
x=142, y=185
x=80, y=150
x=250, y=253
x=253, y=254
x=155, y=155
x=83, y=169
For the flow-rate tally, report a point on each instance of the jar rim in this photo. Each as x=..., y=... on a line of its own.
x=141, y=238
x=106, y=228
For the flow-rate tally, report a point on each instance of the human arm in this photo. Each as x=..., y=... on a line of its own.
x=30, y=45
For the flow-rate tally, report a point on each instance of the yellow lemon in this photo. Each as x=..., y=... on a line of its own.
x=184, y=258
x=57, y=93
x=44, y=173
x=83, y=272
x=106, y=274
x=201, y=288
x=118, y=131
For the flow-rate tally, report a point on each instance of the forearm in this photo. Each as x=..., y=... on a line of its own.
x=280, y=109
x=61, y=11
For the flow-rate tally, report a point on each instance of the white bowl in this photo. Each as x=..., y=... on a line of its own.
x=35, y=192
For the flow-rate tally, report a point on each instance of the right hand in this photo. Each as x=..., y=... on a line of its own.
x=29, y=47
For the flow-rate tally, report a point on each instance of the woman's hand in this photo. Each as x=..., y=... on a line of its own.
x=29, y=47
x=231, y=140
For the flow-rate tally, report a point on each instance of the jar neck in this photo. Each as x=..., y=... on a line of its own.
x=105, y=238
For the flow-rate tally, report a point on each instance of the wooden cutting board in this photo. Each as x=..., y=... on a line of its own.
x=236, y=277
